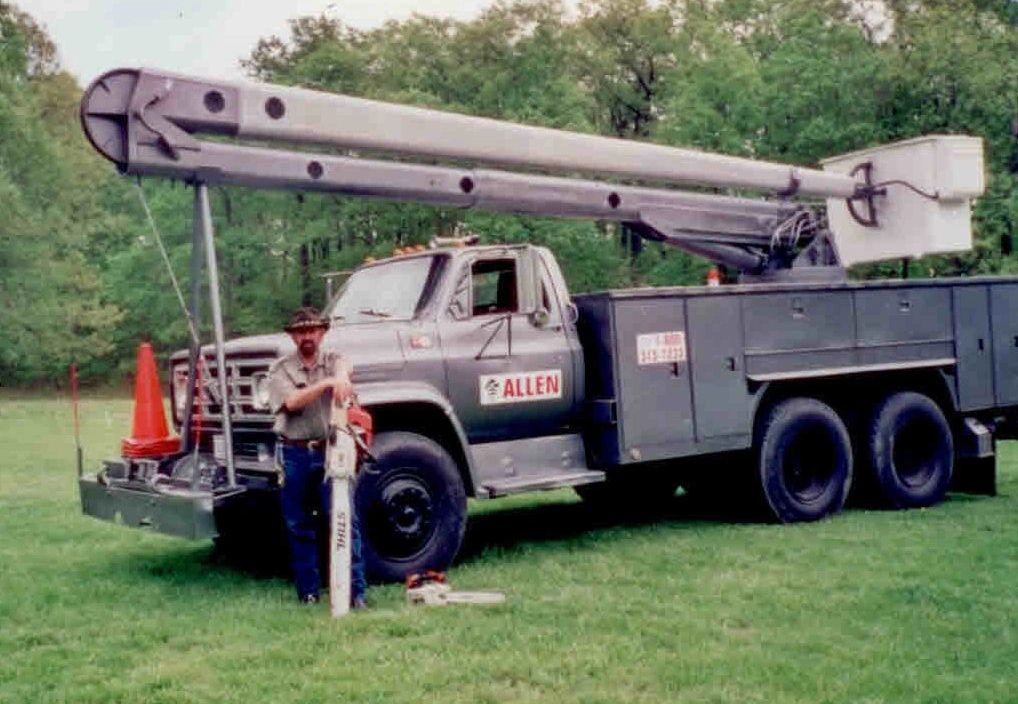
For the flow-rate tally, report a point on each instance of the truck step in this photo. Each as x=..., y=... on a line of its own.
x=539, y=482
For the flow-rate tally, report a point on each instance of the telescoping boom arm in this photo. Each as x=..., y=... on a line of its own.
x=171, y=109
x=149, y=123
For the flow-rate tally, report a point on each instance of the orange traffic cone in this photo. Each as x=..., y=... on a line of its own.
x=149, y=435
x=713, y=277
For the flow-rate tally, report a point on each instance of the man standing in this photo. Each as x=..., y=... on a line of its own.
x=302, y=385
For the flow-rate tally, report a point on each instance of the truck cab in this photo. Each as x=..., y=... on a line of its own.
x=485, y=334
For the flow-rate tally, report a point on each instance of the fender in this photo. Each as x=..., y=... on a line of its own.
x=940, y=377
x=387, y=393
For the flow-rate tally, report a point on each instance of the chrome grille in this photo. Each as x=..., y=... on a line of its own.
x=241, y=375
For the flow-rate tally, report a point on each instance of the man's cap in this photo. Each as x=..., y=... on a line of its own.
x=306, y=318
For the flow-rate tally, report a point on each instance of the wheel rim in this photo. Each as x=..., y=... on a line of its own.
x=914, y=451
x=402, y=519
x=809, y=464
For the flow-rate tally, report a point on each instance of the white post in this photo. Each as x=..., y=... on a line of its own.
x=203, y=211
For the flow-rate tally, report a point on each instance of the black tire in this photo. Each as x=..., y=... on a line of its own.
x=804, y=456
x=910, y=451
x=411, y=506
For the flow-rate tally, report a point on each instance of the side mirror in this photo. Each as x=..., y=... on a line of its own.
x=540, y=317
x=572, y=313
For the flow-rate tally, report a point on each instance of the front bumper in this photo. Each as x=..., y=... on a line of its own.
x=182, y=512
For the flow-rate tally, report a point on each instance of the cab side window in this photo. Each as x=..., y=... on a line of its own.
x=493, y=282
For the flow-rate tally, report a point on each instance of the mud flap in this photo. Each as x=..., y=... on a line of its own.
x=975, y=467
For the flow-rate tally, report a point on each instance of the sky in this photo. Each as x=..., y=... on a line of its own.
x=199, y=37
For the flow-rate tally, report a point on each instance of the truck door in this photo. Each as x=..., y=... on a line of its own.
x=510, y=370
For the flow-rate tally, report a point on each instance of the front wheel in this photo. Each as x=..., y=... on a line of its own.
x=805, y=460
x=411, y=506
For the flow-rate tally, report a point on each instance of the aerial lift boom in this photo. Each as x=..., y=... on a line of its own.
x=146, y=122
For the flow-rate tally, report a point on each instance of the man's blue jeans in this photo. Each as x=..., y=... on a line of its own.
x=303, y=494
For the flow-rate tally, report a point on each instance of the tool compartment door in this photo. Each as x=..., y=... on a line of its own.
x=720, y=397
x=655, y=405
x=1004, y=310
x=973, y=347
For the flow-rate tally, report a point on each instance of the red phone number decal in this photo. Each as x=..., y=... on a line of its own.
x=661, y=347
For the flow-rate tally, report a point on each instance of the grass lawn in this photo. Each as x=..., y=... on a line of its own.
x=917, y=606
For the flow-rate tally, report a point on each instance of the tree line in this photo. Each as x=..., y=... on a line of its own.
x=788, y=80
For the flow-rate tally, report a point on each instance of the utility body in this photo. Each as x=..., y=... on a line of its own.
x=485, y=377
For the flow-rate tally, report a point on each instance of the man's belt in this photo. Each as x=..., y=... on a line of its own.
x=312, y=444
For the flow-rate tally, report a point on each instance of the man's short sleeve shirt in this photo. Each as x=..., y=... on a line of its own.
x=287, y=375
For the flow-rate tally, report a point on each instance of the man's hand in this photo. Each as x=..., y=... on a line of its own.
x=341, y=387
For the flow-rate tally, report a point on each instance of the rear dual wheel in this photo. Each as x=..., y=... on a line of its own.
x=909, y=452
x=804, y=460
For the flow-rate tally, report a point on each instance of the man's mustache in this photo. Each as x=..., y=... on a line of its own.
x=308, y=346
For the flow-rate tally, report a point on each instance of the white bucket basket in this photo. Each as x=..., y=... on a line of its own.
x=909, y=224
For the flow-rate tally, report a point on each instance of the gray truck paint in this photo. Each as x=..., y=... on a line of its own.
x=613, y=412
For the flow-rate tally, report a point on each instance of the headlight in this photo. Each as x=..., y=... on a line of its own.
x=179, y=377
x=260, y=392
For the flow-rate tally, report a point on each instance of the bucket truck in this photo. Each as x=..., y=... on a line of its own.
x=486, y=378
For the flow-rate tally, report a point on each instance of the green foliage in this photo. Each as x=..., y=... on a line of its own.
x=625, y=48
x=715, y=94
x=51, y=310
x=789, y=80
x=824, y=88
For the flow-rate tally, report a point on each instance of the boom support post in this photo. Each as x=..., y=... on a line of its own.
x=203, y=224
x=194, y=311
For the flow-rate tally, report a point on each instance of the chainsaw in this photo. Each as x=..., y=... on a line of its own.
x=433, y=589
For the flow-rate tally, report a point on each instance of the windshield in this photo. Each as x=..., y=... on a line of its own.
x=387, y=291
